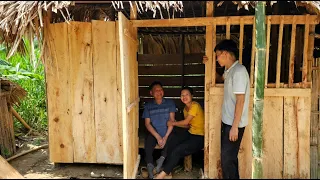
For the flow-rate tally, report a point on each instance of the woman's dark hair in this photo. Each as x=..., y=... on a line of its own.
x=229, y=46
x=188, y=88
x=154, y=83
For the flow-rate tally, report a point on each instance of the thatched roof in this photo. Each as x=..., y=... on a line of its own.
x=19, y=18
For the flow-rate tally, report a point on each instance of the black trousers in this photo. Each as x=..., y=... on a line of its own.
x=180, y=145
x=149, y=145
x=229, y=153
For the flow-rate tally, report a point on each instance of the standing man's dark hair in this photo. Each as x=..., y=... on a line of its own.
x=154, y=83
x=235, y=106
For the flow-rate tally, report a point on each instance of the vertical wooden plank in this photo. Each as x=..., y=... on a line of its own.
x=119, y=92
x=279, y=53
x=208, y=79
x=241, y=40
x=292, y=48
x=314, y=128
x=82, y=92
x=215, y=107
x=273, y=137
x=129, y=87
x=310, y=51
x=105, y=94
x=253, y=52
x=305, y=52
x=58, y=93
x=228, y=28
x=297, y=130
x=267, y=49
x=245, y=151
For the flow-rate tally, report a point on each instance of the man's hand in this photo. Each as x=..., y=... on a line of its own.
x=160, y=141
x=233, y=134
x=204, y=59
x=164, y=141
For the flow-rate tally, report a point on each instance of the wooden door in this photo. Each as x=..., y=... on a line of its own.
x=128, y=46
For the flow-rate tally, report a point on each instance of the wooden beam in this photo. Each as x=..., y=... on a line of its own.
x=270, y=92
x=7, y=171
x=279, y=53
x=228, y=28
x=241, y=40
x=253, y=54
x=310, y=52
x=305, y=51
x=267, y=50
x=208, y=81
x=292, y=48
x=234, y=20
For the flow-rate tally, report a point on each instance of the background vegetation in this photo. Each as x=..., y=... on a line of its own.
x=29, y=74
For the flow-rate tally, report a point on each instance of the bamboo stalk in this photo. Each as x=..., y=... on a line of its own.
x=268, y=49
x=305, y=51
x=279, y=52
x=241, y=40
x=14, y=112
x=28, y=151
x=252, y=52
x=257, y=170
x=292, y=48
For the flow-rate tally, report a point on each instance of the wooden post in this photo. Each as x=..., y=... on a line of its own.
x=305, y=52
x=257, y=171
x=279, y=52
x=7, y=171
x=241, y=40
x=7, y=141
x=208, y=81
x=292, y=48
x=267, y=50
x=252, y=54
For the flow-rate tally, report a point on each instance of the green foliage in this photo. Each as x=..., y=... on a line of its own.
x=30, y=76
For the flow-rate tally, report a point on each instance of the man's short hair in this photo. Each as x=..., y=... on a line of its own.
x=154, y=83
x=229, y=46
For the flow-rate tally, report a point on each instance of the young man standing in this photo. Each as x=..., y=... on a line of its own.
x=234, y=108
x=157, y=113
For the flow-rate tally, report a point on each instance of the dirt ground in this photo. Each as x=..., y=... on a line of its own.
x=36, y=165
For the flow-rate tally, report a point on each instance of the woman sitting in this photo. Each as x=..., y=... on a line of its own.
x=188, y=142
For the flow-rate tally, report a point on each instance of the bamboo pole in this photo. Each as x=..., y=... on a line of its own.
x=257, y=171
x=228, y=29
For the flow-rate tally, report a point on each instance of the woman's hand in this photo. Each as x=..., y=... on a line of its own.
x=204, y=59
x=170, y=123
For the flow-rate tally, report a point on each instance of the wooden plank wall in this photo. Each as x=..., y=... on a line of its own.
x=82, y=90
x=286, y=134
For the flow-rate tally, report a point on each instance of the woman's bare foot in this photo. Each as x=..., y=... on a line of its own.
x=161, y=175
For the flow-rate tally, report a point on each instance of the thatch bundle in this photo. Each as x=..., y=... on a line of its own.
x=165, y=44
x=19, y=18
x=13, y=92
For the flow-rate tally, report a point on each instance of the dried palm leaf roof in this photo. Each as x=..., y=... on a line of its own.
x=20, y=18
x=12, y=91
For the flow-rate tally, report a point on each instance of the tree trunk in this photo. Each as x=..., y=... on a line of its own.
x=257, y=171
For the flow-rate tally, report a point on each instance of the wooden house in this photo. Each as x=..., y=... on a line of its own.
x=97, y=71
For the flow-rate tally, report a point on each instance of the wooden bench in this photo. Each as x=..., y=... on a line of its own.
x=187, y=160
